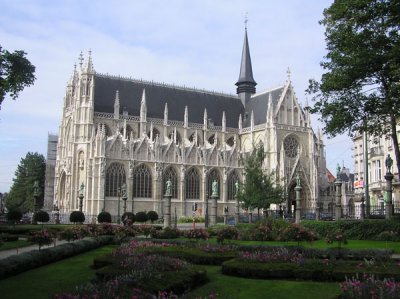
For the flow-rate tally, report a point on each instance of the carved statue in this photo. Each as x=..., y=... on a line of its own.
x=36, y=188
x=214, y=189
x=337, y=170
x=298, y=180
x=82, y=189
x=236, y=188
x=388, y=163
x=168, y=188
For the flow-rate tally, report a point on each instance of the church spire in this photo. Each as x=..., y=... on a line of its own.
x=246, y=84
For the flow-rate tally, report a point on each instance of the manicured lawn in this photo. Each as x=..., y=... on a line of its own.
x=352, y=244
x=54, y=278
x=15, y=244
x=241, y=288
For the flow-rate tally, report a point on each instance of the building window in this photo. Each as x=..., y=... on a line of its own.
x=142, y=182
x=192, y=183
x=291, y=147
x=232, y=179
x=115, y=178
x=213, y=176
x=378, y=163
x=170, y=174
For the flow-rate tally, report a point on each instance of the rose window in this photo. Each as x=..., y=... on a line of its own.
x=291, y=147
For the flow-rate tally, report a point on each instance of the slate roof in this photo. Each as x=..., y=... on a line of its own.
x=157, y=94
x=259, y=105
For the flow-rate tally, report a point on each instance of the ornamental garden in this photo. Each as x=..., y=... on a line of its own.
x=271, y=258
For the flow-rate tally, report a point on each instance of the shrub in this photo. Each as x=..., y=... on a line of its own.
x=369, y=287
x=146, y=230
x=42, y=237
x=104, y=217
x=41, y=216
x=338, y=236
x=14, y=215
x=197, y=233
x=128, y=218
x=152, y=216
x=227, y=233
x=141, y=217
x=295, y=232
x=77, y=216
x=388, y=236
x=73, y=233
x=167, y=233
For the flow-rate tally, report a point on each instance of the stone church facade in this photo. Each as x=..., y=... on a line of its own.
x=117, y=131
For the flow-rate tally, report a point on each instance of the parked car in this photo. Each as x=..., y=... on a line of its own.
x=26, y=219
x=326, y=217
x=309, y=216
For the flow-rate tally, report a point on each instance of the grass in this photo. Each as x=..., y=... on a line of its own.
x=352, y=244
x=15, y=244
x=242, y=288
x=54, y=278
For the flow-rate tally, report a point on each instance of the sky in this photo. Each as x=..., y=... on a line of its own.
x=192, y=43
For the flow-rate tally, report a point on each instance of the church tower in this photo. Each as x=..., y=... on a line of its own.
x=246, y=85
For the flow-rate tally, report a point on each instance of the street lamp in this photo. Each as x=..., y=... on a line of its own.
x=119, y=205
x=35, y=197
x=124, y=197
x=81, y=196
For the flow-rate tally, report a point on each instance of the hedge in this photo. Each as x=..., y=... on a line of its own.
x=16, y=264
x=308, y=270
x=368, y=229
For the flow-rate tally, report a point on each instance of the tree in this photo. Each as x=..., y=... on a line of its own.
x=141, y=217
x=360, y=91
x=104, y=217
x=77, y=217
x=152, y=216
x=30, y=169
x=16, y=73
x=259, y=190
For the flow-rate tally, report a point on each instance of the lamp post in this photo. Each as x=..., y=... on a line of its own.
x=124, y=197
x=168, y=195
x=81, y=196
x=119, y=205
x=225, y=215
x=214, y=196
x=237, y=202
x=298, y=199
x=206, y=212
x=389, y=177
x=35, y=197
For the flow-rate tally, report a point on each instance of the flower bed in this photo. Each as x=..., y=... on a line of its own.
x=282, y=264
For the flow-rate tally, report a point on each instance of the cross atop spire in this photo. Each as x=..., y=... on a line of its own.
x=288, y=73
x=246, y=20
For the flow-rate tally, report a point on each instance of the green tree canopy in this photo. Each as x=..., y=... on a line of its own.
x=16, y=73
x=259, y=190
x=360, y=91
x=31, y=168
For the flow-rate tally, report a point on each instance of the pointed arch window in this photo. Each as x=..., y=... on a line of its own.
x=115, y=178
x=192, y=182
x=232, y=179
x=213, y=176
x=142, y=182
x=170, y=174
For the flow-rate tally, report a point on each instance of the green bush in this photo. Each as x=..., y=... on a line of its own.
x=227, y=233
x=152, y=216
x=141, y=217
x=77, y=217
x=297, y=233
x=104, y=217
x=14, y=215
x=41, y=216
x=367, y=229
x=128, y=216
x=167, y=233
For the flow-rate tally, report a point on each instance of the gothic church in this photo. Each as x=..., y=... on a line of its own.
x=117, y=131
